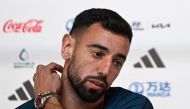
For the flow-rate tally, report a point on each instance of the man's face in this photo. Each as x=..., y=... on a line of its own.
x=96, y=61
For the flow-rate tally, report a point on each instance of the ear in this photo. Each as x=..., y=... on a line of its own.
x=68, y=45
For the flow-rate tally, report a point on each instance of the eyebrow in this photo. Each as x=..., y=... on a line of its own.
x=99, y=46
x=107, y=50
x=121, y=56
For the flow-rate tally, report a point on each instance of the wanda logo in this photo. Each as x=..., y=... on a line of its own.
x=29, y=26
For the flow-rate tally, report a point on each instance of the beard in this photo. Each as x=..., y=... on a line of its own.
x=78, y=84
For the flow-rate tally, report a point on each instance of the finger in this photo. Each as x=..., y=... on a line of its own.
x=34, y=76
x=39, y=67
x=54, y=66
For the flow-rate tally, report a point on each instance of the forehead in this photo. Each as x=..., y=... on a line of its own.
x=96, y=34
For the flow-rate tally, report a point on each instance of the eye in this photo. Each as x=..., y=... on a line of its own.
x=118, y=63
x=97, y=54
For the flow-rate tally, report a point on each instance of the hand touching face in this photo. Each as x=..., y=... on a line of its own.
x=46, y=78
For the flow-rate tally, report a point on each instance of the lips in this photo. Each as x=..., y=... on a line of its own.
x=98, y=83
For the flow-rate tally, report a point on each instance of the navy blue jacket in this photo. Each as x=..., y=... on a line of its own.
x=115, y=98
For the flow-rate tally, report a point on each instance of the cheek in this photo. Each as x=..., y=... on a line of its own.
x=111, y=77
x=85, y=67
x=85, y=64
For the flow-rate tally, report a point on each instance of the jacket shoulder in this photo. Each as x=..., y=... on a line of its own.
x=27, y=105
x=120, y=98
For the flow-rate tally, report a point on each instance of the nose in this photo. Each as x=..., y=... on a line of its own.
x=105, y=66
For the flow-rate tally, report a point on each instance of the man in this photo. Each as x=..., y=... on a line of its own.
x=94, y=53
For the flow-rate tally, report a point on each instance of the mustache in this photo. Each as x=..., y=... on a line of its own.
x=100, y=78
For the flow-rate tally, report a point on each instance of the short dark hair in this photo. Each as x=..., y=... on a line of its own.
x=109, y=20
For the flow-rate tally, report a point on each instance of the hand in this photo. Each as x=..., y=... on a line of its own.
x=46, y=78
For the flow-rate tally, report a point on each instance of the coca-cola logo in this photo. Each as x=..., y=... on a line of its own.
x=29, y=26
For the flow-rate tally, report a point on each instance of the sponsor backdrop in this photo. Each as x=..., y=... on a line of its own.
x=157, y=65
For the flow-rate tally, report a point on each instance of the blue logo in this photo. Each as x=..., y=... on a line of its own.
x=23, y=55
x=137, y=25
x=152, y=88
x=161, y=26
x=137, y=87
x=69, y=24
x=24, y=63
